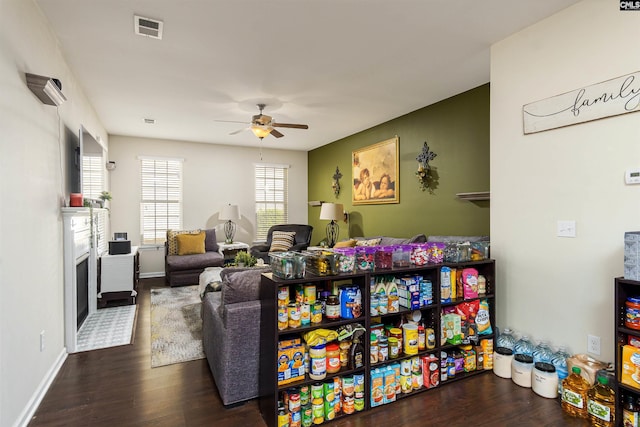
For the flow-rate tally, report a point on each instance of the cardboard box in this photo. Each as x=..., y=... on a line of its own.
x=630, y=366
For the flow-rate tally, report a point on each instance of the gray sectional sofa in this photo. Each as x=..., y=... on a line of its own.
x=231, y=333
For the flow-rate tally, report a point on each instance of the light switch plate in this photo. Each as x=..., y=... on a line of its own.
x=566, y=229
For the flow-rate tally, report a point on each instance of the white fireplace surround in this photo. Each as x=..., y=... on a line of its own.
x=77, y=247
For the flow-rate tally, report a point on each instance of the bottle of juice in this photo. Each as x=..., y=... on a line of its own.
x=601, y=406
x=574, y=394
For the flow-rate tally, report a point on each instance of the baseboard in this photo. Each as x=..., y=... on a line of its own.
x=152, y=274
x=36, y=399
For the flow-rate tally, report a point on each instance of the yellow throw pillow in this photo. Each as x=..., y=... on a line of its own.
x=173, y=243
x=282, y=241
x=346, y=244
x=189, y=244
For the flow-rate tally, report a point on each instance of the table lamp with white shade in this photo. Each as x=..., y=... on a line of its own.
x=333, y=212
x=229, y=213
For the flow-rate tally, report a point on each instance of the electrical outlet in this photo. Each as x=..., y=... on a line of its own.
x=42, y=341
x=593, y=344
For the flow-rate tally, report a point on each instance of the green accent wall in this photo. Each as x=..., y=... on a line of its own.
x=457, y=130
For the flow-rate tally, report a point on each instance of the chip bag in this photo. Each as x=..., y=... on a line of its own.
x=483, y=320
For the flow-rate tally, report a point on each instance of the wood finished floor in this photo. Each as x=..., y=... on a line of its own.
x=118, y=387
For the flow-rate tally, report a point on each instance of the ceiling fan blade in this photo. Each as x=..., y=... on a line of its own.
x=276, y=133
x=290, y=125
x=231, y=121
x=235, y=132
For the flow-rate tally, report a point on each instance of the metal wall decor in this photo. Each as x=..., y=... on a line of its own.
x=336, y=182
x=424, y=172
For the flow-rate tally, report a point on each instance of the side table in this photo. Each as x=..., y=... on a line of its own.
x=229, y=250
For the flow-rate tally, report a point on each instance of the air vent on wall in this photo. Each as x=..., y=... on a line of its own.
x=147, y=27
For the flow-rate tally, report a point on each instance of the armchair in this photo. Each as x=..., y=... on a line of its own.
x=302, y=239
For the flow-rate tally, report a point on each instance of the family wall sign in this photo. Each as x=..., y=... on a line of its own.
x=613, y=97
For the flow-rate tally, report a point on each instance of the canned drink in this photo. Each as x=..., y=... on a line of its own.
x=305, y=314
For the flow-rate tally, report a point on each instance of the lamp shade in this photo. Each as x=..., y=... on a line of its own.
x=332, y=211
x=230, y=212
x=261, y=131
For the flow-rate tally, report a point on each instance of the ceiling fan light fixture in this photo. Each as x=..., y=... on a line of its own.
x=261, y=131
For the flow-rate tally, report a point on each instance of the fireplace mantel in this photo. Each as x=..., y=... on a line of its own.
x=78, y=246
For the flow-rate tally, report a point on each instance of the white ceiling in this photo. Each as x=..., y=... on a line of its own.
x=340, y=66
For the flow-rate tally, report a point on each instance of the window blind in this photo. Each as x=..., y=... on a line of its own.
x=161, y=198
x=271, y=198
x=92, y=176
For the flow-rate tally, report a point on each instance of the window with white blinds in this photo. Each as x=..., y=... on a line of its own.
x=271, y=197
x=100, y=223
x=92, y=176
x=161, y=203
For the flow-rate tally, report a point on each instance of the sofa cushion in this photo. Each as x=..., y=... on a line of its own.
x=172, y=244
x=282, y=241
x=194, y=262
x=190, y=244
x=241, y=285
x=458, y=239
x=210, y=242
x=346, y=244
x=368, y=242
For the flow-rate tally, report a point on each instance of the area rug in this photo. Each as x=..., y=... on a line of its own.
x=107, y=327
x=176, y=325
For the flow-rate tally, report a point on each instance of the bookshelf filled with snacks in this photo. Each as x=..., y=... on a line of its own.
x=627, y=333
x=433, y=345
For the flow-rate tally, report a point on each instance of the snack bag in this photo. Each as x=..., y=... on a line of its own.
x=470, y=283
x=483, y=319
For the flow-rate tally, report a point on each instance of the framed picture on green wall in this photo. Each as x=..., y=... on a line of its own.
x=375, y=173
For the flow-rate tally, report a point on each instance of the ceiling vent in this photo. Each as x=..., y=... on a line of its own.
x=147, y=27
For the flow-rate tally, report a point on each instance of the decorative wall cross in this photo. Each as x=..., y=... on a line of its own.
x=336, y=182
x=425, y=157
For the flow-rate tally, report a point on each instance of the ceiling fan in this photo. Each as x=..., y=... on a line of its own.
x=262, y=125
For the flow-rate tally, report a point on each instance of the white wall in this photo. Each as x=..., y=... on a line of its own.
x=213, y=175
x=553, y=288
x=31, y=193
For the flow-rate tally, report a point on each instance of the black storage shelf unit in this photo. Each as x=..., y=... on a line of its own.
x=270, y=335
x=624, y=288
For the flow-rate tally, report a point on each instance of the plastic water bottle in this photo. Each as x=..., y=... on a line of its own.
x=506, y=339
x=542, y=353
x=559, y=360
x=523, y=346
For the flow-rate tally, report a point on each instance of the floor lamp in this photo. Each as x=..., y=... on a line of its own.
x=333, y=212
x=229, y=213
